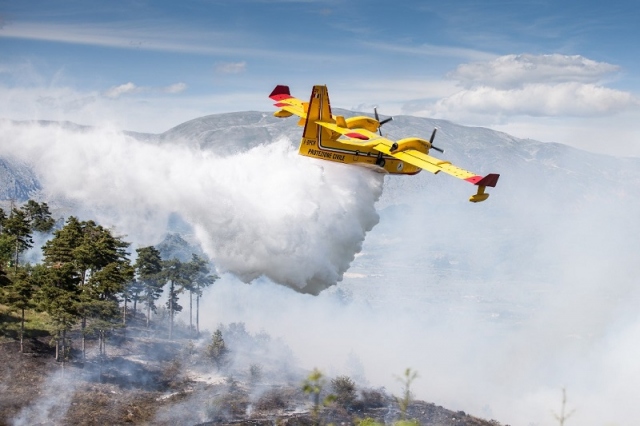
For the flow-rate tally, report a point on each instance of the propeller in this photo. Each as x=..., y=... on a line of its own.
x=386, y=120
x=433, y=136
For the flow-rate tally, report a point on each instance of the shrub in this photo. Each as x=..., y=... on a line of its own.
x=344, y=390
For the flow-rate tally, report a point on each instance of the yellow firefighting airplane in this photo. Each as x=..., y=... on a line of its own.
x=358, y=140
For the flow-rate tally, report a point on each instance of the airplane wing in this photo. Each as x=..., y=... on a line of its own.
x=410, y=150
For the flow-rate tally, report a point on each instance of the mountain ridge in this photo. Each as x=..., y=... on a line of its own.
x=476, y=148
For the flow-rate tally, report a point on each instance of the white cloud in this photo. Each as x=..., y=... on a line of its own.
x=155, y=36
x=538, y=99
x=175, y=88
x=430, y=50
x=129, y=88
x=117, y=91
x=514, y=71
x=531, y=85
x=231, y=67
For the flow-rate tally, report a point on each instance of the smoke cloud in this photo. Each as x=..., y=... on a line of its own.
x=498, y=306
x=266, y=212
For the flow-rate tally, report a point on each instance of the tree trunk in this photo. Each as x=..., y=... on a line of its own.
x=148, y=311
x=22, y=333
x=100, y=357
x=190, y=313
x=64, y=346
x=171, y=310
x=58, y=346
x=135, y=306
x=198, y=314
x=84, y=347
x=124, y=313
x=15, y=266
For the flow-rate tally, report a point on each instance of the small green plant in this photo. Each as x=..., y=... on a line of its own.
x=217, y=350
x=405, y=400
x=368, y=421
x=313, y=386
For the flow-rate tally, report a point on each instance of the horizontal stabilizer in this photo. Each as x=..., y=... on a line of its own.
x=280, y=93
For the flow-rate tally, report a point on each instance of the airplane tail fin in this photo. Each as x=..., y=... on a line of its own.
x=319, y=110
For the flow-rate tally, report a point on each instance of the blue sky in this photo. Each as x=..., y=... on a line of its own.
x=554, y=71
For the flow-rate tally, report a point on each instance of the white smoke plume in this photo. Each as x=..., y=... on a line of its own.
x=265, y=212
x=52, y=403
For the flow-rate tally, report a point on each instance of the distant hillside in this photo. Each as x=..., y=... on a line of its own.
x=529, y=168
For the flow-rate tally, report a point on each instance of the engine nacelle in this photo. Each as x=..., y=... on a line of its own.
x=411, y=143
x=361, y=122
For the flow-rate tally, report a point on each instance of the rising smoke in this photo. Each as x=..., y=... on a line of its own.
x=497, y=311
x=266, y=212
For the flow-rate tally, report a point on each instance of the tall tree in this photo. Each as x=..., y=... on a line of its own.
x=148, y=268
x=58, y=296
x=39, y=216
x=100, y=262
x=100, y=301
x=19, y=295
x=176, y=273
x=200, y=278
x=18, y=229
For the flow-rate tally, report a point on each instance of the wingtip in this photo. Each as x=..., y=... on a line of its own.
x=489, y=180
x=280, y=92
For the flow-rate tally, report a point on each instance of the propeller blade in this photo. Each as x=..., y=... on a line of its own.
x=375, y=113
x=380, y=123
x=433, y=136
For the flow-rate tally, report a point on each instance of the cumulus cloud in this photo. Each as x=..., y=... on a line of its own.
x=516, y=71
x=539, y=99
x=533, y=85
x=231, y=67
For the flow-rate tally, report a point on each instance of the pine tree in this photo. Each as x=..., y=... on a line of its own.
x=217, y=350
x=148, y=269
x=59, y=297
x=199, y=279
x=176, y=273
x=18, y=294
x=18, y=229
x=3, y=217
x=39, y=216
x=100, y=262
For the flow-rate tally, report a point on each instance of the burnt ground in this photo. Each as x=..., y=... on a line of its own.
x=148, y=380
